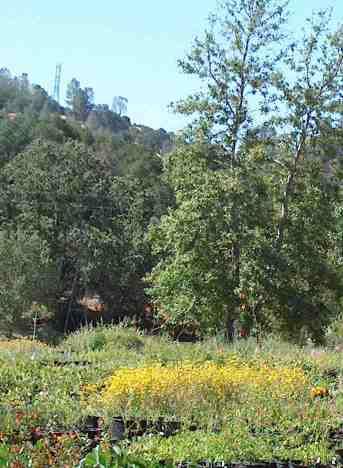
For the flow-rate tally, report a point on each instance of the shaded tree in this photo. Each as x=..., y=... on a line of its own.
x=15, y=135
x=92, y=223
x=27, y=274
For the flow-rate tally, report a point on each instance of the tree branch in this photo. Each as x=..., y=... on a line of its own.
x=289, y=184
x=219, y=83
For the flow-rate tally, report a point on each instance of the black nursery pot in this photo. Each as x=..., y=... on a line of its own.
x=167, y=428
x=117, y=430
x=92, y=427
x=92, y=422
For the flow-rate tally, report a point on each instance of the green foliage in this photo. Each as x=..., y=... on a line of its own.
x=196, y=277
x=113, y=458
x=88, y=191
x=235, y=59
x=254, y=232
x=17, y=95
x=230, y=445
x=37, y=394
x=14, y=137
x=92, y=222
x=27, y=274
x=104, y=338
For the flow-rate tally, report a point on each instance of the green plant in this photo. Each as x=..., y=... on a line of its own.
x=114, y=457
x=98, y=342
x=41, y=398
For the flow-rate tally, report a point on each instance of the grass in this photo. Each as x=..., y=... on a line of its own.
x=241, y=396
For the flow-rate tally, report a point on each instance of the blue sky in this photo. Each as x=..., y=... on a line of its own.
x=127, y=48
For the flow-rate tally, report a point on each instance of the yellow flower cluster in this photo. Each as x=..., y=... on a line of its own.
x=168, y=386
x=88, y=389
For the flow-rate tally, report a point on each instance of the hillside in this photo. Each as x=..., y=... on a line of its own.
x=35, y=114
x=70, y=176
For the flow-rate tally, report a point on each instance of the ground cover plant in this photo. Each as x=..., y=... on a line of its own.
x=235, y=402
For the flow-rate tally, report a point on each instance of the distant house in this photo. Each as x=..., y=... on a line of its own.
x=12, y=116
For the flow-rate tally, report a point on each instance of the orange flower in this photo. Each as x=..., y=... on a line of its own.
x=319, y=392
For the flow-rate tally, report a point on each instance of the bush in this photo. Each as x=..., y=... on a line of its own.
x=104, y=338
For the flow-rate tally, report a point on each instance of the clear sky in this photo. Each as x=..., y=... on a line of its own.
x=119, y=47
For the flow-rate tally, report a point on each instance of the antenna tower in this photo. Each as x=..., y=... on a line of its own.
x=57, y=85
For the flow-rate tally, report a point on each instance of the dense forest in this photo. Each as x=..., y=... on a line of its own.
x=79, y=187
x=234, y=226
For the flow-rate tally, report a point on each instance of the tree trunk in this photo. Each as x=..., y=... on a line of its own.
x=230, y=329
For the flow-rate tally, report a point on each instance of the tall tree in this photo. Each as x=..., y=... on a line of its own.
x=79, y=100
x=252, y=75
x=234, y=60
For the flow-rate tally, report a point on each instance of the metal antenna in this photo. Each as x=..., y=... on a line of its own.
x=57, y=85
